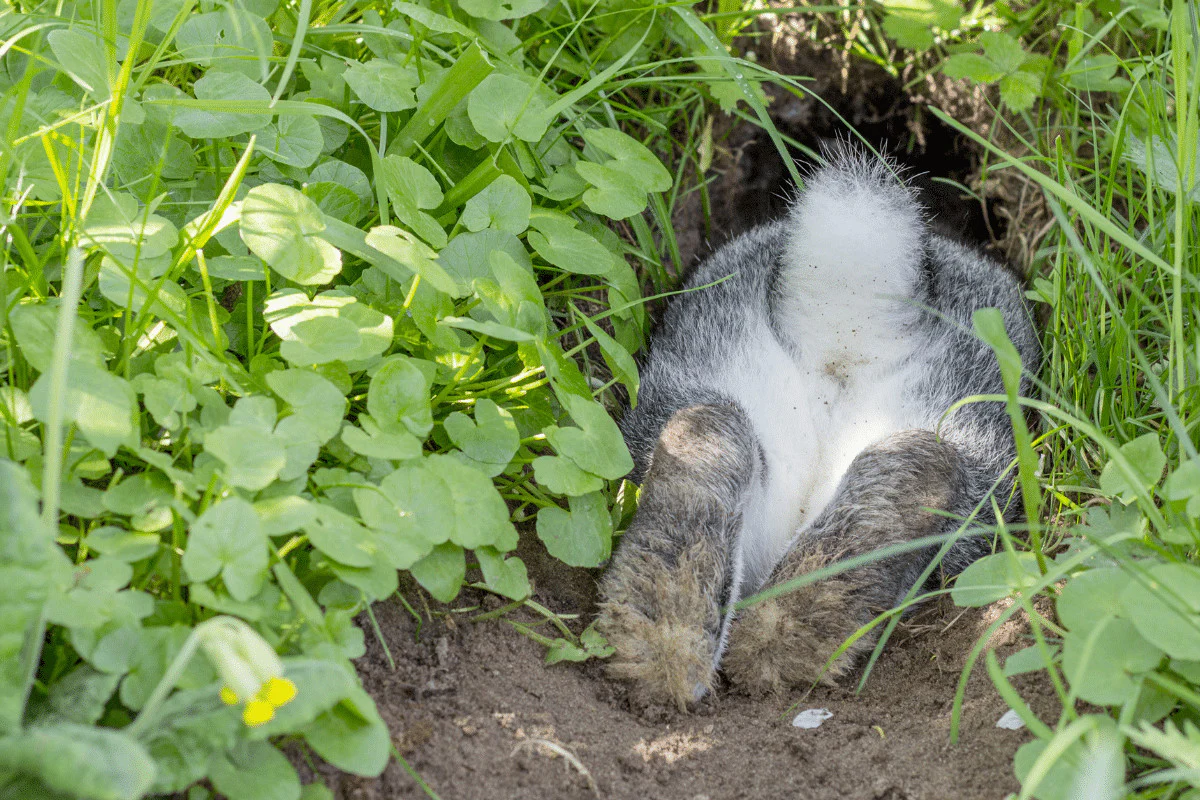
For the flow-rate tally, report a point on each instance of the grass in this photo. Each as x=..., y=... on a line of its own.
x=194, y=430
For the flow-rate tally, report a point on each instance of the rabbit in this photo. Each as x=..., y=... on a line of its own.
x=793, y=415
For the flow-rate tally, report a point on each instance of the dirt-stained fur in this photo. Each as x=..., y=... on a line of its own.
x=794, y=415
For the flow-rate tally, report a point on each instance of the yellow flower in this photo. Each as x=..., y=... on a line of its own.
x=258, y=712
x=250, y=668
x=279, y=691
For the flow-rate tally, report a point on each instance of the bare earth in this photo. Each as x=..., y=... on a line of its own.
x=477, y=714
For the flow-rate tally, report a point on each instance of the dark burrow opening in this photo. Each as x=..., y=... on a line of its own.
x=843, y=95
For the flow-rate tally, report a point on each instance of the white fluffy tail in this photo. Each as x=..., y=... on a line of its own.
x=856, y=246
x=855, y=218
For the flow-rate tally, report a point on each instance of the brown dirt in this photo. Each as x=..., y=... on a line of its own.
x=477, y=714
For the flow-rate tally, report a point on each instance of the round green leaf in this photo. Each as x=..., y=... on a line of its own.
x=490, y=441
x=1105, y=665
x=441, y=573
x=581, y=538
x=503, y=204
x=1166, y=609
x=293, y=139
x=281, y=226
x=1090, y=597
x=503, y=106
x=80, y=761
x=382, y=84
x=228, y=540
x=596, y=446
x=252, y=458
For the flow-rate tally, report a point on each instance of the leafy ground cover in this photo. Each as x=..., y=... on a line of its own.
x=297, y=296
x=301, y=297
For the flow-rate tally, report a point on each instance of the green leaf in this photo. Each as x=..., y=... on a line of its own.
x=404, y=247
x=441, y=573
x=101, y=404
x=126, y=231
x=501, y=9
x=618, y=359
x=973, y=66
x=254, y=771
x=313, y=399
x=81, y=695
x=561, y=476
x=1029, y=659
x=503, y=204
x=1146, y=460
x=412, y=188
x=81, y=55
x=252, y=458
x=1020, y=90
x=911, y=34
x=383, y=85
x=503, y=576
x=581, y=538
x=333, y=326
x=200, y=123
x=1070, y=771
x=441, y=498
x=293, y=139
x=994, y=577
x=1183, y=486
x=398, y=398
x=596, y=446
x=26, y=553
x=341, y=538
x=34, y=325
x=559, y=242
x=503, y=106
x=468, y=256
x=1105, y=665
x=1003, y=50
x=1166, y=609
x=81, y=761
x=1089, y=597
x=228, y=540
x=282, y=226
x=351, y=736
x=620, y=185
x=396, y=445
x=490, y=441
x=404, y=544
x=494, y=330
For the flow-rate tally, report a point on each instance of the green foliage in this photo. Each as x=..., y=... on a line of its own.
x=293, y=312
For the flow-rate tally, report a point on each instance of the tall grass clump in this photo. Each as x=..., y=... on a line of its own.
x=297, y=298
x=1108, y=136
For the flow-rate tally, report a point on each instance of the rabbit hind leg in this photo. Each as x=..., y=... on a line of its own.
x=881, y=500
x=664, y=596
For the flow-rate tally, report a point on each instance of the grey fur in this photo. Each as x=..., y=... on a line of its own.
x=700, y=460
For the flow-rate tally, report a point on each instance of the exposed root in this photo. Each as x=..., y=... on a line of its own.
x=567, y=755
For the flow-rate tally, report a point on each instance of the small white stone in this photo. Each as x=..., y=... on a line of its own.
x=1011, y=721
x=811, y=718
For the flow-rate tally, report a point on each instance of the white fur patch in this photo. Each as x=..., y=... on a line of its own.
x=836, y=386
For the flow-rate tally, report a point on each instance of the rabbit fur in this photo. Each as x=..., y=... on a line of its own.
x=793, y=415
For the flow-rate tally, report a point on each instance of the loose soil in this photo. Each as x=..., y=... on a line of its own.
x=477, y=714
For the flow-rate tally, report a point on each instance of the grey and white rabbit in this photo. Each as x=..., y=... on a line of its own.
x=792, y=416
